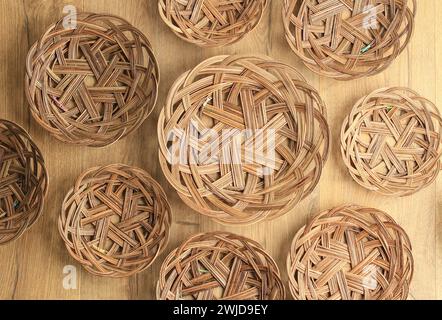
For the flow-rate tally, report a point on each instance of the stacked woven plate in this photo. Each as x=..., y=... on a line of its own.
x=94, y=84
x=350, y=39
x=208, y=23
x=23, y=181
x=243, y=138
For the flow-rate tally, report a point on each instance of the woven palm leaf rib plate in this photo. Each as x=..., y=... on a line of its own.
x=219, y=266
x=230, y=176
x=92, y=85
x=348, y=39
x=212, y=23
x=350, y=253
x=115, y=221
x=391, y=142
x=23, y=182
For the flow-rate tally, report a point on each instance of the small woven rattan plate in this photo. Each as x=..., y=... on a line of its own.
x=115, y=221
x=219, y=266
x=23, y=181
x=92, y=85
x=350, y=253
x=348, y=39
x=243, y=138
x=212, y=23
x=391, y=142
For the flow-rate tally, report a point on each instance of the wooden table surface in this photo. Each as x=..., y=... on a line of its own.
x=32, y=267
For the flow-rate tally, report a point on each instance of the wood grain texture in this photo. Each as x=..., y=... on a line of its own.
x=32, y=267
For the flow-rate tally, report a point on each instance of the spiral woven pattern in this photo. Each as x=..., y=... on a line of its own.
x=243, y=138
x=219, y=266
x=348, y=39
x=350, y=253
x=212, y=23
x=94, y=84
x=23, y=181
x=391, y=142
x=115, y=221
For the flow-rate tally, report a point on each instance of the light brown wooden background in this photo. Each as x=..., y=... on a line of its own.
x=32, y=267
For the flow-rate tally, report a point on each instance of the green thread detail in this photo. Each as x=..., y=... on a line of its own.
x=365, y=49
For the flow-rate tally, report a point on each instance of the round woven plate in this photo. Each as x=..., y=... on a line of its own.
x=212, y=23
x=92, y=85
x=243, y=138
x=219, y=266
x=23, y=181
x=349, y=39
x=115, y=221
x=391, y=142
x=350, y=253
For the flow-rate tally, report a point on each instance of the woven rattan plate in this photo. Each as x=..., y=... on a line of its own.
x=23, y=181
x=391, y=142
x=348, y=39
x=92, y=85
x=115, y=221
x=211, y=23
x=350, y=253
x=219, y=266
x=243, y=138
